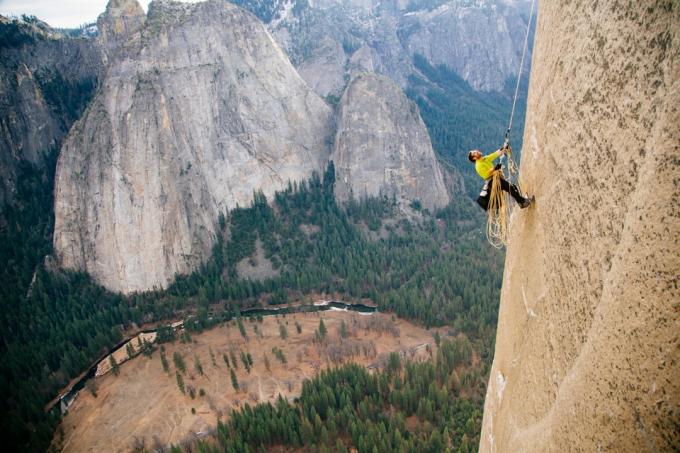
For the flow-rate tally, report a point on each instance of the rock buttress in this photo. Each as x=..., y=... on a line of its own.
x=382, y=146
x=199, y=110
x=587, y=354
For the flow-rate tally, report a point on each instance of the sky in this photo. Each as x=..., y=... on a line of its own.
x=59, y=13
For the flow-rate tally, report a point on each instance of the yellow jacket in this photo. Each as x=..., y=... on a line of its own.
x=484, y=165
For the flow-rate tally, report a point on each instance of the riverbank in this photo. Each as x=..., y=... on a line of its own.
x=218, y=314
x=144, y=403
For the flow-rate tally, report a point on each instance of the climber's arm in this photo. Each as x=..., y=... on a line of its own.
x=493, y=156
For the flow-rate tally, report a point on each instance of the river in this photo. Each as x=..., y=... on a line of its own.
x=67, y=398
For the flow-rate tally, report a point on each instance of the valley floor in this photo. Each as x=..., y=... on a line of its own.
x=143, y=405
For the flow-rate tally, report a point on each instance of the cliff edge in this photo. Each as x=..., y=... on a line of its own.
x=587, y=352
x=199, y=108
x=382, y=146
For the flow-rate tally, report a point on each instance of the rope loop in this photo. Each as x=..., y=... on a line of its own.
x=498, y=212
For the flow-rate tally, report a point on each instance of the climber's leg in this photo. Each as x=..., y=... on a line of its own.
x=484, y=196
x=516, y=194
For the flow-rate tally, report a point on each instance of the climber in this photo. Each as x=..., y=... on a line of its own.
x=485, y=168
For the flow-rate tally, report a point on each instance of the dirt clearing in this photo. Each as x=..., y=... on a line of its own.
x=144, y=404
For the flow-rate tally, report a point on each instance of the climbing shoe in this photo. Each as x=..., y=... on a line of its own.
x=527, y=202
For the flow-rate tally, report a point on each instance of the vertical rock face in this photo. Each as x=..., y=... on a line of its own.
x=382, y=146
x=481, y=40
x=200, y=110
x=121, y=21
x=45, y=82
x=587, y=350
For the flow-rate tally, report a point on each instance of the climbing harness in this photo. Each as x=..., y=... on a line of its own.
x=498, y=210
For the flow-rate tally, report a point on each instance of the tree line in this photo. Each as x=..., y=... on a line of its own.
x=433, y=406
x=436, y=271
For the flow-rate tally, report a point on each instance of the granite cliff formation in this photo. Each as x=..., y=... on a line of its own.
x=329, y=40
x=198, y=109
x=46, y=80
x=587, y=349
x=382, y=146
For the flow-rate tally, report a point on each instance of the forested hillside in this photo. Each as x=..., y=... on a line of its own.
x=434, y=268
x=437, y=270
x=459, y=118
x=431, y=407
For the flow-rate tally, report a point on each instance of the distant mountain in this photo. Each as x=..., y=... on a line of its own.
x=382, y=146
x=199, y=110
x=458, y=59
x=328, y=40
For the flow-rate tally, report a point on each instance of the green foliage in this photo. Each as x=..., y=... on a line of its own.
x=241, y=327
x=234, y=379
x=265, y=10
x=198, y=366
x=459, y=118
x=279, y=297
x=283, y=332
x=164, y=361
x=322, y=329
x=165, y=334
x=67, y=97
x=14, y=34
x=347, y=406
x=180, y=381
x=344, y=333
x=114, y=365
x=179, y=362
x=130, y=350
x=247, y=360
x=278, y=353
x=437, y=272
x=232, y=356
x=394, y=362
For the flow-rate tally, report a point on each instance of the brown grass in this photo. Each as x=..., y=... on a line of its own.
x=143, y=403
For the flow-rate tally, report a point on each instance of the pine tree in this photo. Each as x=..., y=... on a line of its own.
x=197, y=365
x=130, y=350
x=343, y=329
x=241, y=328
x=179, y=361
x=164, y=361
x=180, y=381
x=322, y=329
x=234, y=380
x=114, y=365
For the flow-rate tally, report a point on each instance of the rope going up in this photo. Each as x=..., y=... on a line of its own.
x=519, y=73
x=498, y=208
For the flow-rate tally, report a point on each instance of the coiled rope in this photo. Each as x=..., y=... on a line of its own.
x=498, y=208
x=498, y=213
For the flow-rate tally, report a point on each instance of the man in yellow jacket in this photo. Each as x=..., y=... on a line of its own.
x=485, y=168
